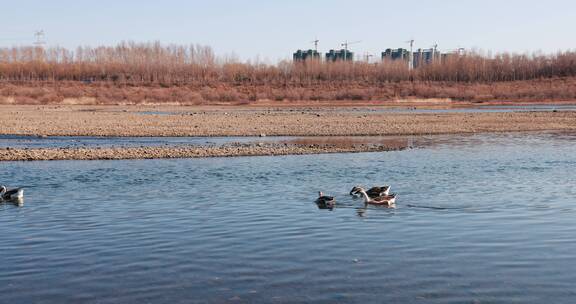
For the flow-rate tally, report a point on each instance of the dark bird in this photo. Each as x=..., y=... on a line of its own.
x=325, y=202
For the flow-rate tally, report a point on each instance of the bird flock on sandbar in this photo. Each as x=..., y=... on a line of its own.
x=379, y=196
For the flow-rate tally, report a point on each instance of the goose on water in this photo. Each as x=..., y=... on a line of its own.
x=11, y=195
x=324, y=201
x=372, y=192
x=384, y=200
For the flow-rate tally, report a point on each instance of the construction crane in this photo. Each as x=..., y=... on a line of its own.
x=367, y=56
x=434, y=52
x=315, y=44
x=411, y=55
x=39, y=38
x=345, y=45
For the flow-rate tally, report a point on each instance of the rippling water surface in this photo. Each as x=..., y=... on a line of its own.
x=455, y=109
x=480, y=219
x=26, y=141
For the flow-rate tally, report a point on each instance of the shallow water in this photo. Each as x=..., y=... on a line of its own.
x=480, y=219
x=416, y=110
x=24, y=141
x=484, y=109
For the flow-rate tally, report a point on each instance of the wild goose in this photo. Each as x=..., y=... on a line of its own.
x=325, y=202
x=372, y=192
x=11, y=195
x=385, y=200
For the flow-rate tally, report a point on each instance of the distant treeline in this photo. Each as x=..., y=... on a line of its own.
x=137, y=64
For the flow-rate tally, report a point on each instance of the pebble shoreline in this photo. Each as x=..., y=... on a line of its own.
x=190, y=121
x=121, y=121
x=232, y=150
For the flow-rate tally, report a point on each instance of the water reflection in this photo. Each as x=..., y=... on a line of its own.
x=325, y=206
x=366, y=208
x=19, y=202
x=432, y=207
x=390, y=142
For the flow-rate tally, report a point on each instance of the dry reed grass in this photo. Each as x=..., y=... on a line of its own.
x=134, y=73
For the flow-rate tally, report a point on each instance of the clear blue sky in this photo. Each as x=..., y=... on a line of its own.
x=272, y=30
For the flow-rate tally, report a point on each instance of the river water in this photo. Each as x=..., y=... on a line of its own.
x=417, y=110
x=31, y=142
x=479, y=219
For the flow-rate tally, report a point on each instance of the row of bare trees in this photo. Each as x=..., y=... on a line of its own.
x=133, y=63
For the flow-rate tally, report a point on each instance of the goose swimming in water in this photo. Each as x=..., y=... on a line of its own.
x=325, y=202
x=384, y=200
x=372, y=192
x=11, y=195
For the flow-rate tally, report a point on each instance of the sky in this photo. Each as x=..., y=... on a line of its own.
x=270, y=30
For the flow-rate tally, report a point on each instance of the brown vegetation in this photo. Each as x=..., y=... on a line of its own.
x=150, y=72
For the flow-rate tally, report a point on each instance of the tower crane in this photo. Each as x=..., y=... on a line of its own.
x=411, y=55
x=367, y=56
x=345, y=45
x=39, y=35
x=315, y=44
x=434, y=52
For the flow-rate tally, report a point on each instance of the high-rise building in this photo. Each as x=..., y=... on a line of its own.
x=420, y=57
x=395, y=54
x=337, y=55
x=452, y=55
x=425, y=56
x=303, y=55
